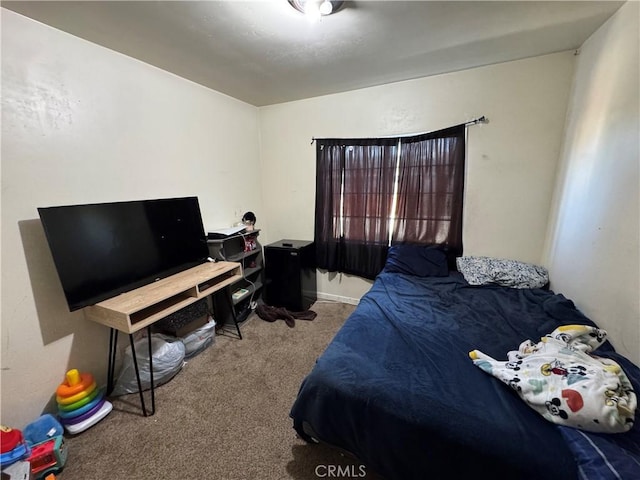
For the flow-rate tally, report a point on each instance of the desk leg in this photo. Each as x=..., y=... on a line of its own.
x=113, y=346
x=135, y=366
x=153, y=395
x=233, y=311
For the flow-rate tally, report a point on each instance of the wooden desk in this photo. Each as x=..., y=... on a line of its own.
x=140, y=308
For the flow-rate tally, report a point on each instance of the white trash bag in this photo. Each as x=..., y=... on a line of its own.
x=199, y=339
x=168, y=359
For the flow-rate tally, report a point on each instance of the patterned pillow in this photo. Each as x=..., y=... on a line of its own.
x=507, y=273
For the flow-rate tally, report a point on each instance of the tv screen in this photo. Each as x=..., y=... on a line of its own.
x=102, y=250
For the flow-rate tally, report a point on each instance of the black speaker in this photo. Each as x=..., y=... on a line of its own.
x=290, y=274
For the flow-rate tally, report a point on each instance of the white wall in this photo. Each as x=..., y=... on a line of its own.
x=594, y=237
x=511, y=161
x=84, y=124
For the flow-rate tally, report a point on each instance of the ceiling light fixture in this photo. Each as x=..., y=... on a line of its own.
x=315, y=9
x=326, y=8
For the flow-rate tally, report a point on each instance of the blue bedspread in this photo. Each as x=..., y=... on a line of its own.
x=602, y=456
x=397, y=389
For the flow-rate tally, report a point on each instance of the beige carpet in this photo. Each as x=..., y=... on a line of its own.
x=224, y=416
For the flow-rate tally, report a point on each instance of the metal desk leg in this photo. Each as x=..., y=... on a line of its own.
x=113, y=343
x=135, y=366
x=233, y=312
x=113, y=346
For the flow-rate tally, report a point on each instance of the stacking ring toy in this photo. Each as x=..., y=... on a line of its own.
x=84, y=416
x=79, y=411
x=67, y=388
x=79, y=403
x=76, y=397
x=95, y=418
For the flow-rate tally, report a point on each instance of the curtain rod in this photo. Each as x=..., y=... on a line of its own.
x=476, y=121
x=481, y=119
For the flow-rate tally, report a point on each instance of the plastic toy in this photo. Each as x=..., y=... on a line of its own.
x=74, y=383
x=12, y=446
x=91, y=421
x=81, y=404
x=10, y=438
x=44, y=428
x=12, y=456
x=48, y=457
x=78, y=396
x=80, y=410
x=84, y=416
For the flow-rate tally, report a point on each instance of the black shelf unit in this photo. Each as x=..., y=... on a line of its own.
x=245, y=249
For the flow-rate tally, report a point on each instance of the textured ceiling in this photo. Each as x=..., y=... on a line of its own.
x=265, y=52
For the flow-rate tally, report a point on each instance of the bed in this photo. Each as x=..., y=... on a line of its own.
x=396, y=387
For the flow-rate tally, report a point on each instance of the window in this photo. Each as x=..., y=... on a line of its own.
x=374, y=192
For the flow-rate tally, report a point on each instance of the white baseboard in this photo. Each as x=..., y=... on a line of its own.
x=338, y=298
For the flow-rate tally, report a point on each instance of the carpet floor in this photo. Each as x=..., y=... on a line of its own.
x=224, y=416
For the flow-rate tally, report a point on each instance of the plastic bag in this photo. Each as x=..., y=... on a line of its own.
x=168, y=358
x=199, y=339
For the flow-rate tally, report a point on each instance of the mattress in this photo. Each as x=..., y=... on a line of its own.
x=396, y=387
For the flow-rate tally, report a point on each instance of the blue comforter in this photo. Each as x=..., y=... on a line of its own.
x=397, y=389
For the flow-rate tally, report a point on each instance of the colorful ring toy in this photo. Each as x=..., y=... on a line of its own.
x=79, y=411
x=84, y=416
x=82, y=426
x=79, y=403
x=65, y=389
x=77, y=396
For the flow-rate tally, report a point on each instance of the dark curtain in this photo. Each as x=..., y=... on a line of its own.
x=327, y=236
x=431, y=189
x=369, y=176
x=366, y=169
x=355, y=181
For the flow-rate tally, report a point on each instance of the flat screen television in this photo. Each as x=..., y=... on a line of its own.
x=104, y=249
